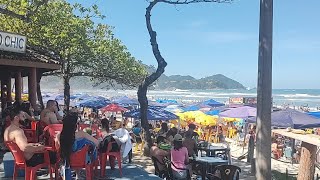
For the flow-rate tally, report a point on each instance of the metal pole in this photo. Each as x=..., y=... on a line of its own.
x=263, y=149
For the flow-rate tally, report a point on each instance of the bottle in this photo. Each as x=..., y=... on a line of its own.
x=199, y=154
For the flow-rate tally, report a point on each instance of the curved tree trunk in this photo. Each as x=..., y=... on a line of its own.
x=66, y=82
x=143, y=88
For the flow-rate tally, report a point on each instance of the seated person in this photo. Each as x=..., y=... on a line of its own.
x=190, y=144
x=159, y=153
x=276, y=148
x=50, y=114
x=170, y=135
x=15, y=134
x=105, y=129
x=123, y=138
x=180, y=158
x=70, y=140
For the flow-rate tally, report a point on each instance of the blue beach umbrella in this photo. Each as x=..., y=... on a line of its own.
x=93, y=102
x=152, y=114
x=315, y=114
x=213, y=103
x=126, y=100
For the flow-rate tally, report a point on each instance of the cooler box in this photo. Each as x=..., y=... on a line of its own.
x=8, y=166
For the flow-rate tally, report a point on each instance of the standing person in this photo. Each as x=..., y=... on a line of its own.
x=190, y=144
x=50, y=114
x=164, y=129
x=179, y=158
x=191, y=129
x=170, y=134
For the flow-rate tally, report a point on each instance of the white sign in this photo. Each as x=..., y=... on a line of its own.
x=12, y=42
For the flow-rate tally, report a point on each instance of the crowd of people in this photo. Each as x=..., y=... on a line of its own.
x=70, y=139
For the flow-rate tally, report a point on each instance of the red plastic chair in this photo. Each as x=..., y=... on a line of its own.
x=32, y=134
x=78, y=161
x=51, y=132
x=20, y=162
x=103, y=160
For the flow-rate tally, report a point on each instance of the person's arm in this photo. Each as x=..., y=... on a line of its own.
x=28, y=116
x=58, y=116
x=21, y=141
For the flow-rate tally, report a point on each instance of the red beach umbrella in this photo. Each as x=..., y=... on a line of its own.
x=113, y=108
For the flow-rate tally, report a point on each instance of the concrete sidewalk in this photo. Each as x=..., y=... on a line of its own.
x=130, y=171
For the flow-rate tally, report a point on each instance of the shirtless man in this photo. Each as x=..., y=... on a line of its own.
x=50, y=115
x=15, y=133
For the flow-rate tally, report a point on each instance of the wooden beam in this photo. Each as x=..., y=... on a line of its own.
x=32, y=84
x=264, y=92
x=307, y=160
x=18, y=86
x=18, y=63
x=9, y=86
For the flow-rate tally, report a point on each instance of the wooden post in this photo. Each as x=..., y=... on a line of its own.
x=264, y=91
x=307, y=160
x=3, y=95
x=32, y=87
x=18, y=85
x=9, y=85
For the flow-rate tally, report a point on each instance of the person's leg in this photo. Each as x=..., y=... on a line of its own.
x=112, y=162
x=130, y=156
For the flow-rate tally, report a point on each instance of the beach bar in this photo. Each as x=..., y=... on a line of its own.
x=18, y=60
x=308, y=152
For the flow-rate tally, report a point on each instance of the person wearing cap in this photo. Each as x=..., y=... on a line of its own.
x=179, y=158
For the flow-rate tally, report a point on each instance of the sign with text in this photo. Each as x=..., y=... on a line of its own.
x=236, y=100
x=12, y=42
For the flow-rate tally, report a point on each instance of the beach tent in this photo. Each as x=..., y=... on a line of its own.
x=174, y=108
x=291, y=118
x=213, y=103
x=152, y=114
x=315, y=114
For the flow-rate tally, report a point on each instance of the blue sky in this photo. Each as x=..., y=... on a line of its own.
x=209, y=38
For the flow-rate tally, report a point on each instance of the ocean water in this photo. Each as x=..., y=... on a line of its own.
x=288, y=97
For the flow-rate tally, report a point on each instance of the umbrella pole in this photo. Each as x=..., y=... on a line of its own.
x=179, y=125
x=245, y=134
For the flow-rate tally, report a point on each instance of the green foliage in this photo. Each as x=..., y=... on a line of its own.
x=69, y=31
x=217, y=81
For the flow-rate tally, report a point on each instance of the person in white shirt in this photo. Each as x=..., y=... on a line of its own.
x=123, y=138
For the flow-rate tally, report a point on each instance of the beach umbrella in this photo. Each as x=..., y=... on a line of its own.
x=93, y=102
x=174, y=108
x=113, y=108
x=240, y=112
x=213, y=103
x=291, y=118
x=126, y=100
x=167, y=101
x=152, y=114
x=213, y=112
x=315, y=114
